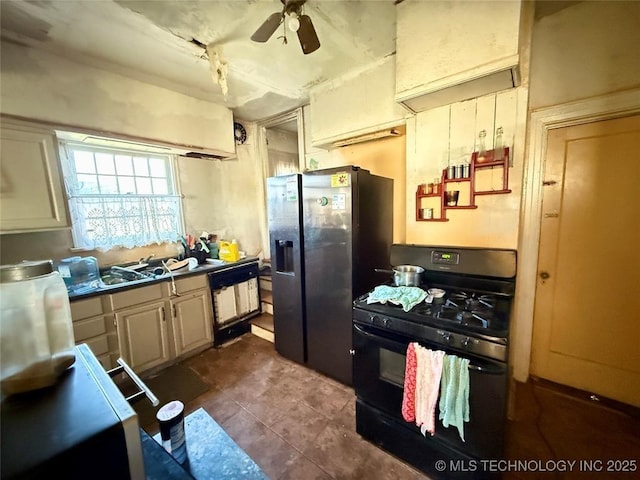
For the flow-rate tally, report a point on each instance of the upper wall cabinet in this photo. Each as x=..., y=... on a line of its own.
x=449, y=51
x=355, y=105
x=31, y=191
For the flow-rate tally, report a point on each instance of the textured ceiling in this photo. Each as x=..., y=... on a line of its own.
x=182, y=44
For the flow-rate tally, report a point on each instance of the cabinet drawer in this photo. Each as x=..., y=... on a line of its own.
x=188, y=284
x=91, y=307
x=99, y=345
x=92, y=327
x=136, y=296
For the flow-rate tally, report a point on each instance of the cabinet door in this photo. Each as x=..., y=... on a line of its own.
x=31, y=189
x=192, y=322
x=452, y=51
x=374, y=88
x=142, y=335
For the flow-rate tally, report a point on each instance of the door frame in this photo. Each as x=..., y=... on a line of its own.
x=541, y=121
x=263, y=156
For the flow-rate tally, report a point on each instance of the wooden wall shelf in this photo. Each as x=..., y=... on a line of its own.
x=475, y=165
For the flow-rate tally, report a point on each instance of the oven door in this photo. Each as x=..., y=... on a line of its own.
x=378, y=378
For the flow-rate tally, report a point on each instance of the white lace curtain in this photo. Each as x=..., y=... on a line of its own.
x=105, y=221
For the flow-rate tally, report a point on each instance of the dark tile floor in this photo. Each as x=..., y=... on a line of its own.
x=297, y=424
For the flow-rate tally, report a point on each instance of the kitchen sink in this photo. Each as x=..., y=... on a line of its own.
x=120, y=275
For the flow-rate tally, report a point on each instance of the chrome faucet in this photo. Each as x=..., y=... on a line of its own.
x=146, y=260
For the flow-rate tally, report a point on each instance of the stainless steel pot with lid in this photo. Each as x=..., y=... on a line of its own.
x=405, y=275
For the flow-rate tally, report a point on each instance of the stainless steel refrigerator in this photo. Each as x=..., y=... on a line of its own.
x=328, y=229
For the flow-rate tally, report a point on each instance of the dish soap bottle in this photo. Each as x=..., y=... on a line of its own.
x=213, y=246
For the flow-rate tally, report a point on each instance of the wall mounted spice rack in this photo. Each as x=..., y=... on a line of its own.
x=487, y=161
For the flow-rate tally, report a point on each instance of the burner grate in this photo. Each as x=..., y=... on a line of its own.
x=461, y=309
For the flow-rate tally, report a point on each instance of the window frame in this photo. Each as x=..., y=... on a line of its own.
x=113, y=147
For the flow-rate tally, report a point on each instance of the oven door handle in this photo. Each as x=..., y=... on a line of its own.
x=492, y=369
x=396, y=346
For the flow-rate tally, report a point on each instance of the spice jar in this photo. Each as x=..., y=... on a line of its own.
x=436, y=185
x=482, y=147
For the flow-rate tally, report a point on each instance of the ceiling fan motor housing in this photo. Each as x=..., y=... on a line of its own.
x=294, y=6
x=306, y=32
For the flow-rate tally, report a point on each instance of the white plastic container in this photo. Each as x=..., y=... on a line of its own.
x=36, y=331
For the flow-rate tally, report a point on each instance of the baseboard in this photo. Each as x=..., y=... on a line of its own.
x=586, y=396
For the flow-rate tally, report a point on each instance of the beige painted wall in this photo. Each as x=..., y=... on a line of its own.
x=46, y=87
x=221, y=197
x=57, y=244
x=447, y=136
x=384, y=157
x=586, y=50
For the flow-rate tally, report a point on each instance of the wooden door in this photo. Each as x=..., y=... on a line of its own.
x=587, y=309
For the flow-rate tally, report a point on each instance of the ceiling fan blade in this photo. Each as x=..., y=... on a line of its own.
x=267, y=28
x=307, y=35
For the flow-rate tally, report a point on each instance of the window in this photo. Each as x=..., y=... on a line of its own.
x=121, y=197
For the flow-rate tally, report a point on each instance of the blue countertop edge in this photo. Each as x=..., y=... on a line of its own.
x=199, y=270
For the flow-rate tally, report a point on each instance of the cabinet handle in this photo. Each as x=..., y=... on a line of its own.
x=175, y=315
x=163, y=315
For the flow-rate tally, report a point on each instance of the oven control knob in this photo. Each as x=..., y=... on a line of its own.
x=372, y=319
x=446, y=336
x=467, y=341
x=385, y=322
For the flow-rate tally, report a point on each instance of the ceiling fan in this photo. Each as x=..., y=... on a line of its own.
x=301, y=24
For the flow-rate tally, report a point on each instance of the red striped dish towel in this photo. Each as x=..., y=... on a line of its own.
x=409, y=392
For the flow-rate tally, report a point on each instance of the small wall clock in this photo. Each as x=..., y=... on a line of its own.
x=239, y=133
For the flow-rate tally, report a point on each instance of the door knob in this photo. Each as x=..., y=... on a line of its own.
x=544, y=275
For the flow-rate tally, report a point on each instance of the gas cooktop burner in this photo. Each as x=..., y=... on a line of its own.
x=468, y=309
x=475, y=311
x=469, y=317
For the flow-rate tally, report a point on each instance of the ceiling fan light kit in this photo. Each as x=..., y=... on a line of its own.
x=301, y=24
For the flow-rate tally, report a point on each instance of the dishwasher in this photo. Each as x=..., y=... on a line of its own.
x=236, y=299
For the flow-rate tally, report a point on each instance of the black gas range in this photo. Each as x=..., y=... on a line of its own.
x=471, y=320
x=467, y=318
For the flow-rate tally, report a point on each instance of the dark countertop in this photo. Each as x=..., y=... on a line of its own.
x=204, y=268
x=211, y=454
